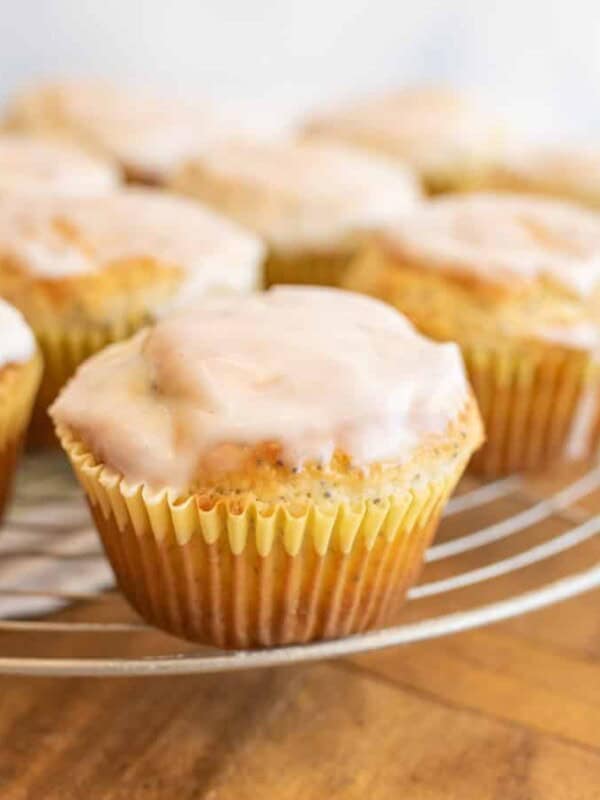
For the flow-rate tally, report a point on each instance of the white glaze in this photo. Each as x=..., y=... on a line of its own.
x=30, y=166
x=17, y=343
x=566, y=171
x=299, y=195
x=57, y=237
x=582, y=335
x=145, y=132
x=505, y=240
x=311, y=369
x=433, y=130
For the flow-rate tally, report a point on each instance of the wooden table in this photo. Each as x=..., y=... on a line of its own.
x=510, y=712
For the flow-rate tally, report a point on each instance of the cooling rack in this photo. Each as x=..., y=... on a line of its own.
x=504, y=548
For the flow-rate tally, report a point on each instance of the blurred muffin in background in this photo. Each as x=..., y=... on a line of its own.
x=442, y=134
x=32, y=166
x=278, y=464
x=515, y=281
x=566, y=172
x=145, y=133
x=311, y=202
x=20, y=371
x=86, y=271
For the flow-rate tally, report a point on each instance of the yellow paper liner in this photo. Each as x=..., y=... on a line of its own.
x=261, y=577
x=318, y=269
x=18, y=386
x=63, y=350
x=534, y=406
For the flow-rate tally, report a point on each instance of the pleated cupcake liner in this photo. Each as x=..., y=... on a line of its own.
x=64, y=349
x=319, y=269
x=18, y=387
x=259, y=576
x=537, y=408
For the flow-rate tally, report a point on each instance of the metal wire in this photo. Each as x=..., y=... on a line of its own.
x=537, y=513
x=49, y=488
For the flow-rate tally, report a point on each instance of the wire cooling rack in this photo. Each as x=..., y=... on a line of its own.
x=504, y=548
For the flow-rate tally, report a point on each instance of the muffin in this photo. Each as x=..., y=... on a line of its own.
x=145, y=133
x=515, y=281
x=311, y=202
x=20, y=370
x=31, y=166
x=86, y=271
x=442, y=134
x=567, y=173
x=278, y=464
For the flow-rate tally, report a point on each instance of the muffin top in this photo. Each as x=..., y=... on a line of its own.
x=147, y=134
x=506, y=242
x=432, y=129
x=16, y=339
x=572, y=173
x=54, y=238
x=298, y=195
x=294, y=374
x=31, y=166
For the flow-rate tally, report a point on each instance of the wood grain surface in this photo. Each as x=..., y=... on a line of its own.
x=510, y=712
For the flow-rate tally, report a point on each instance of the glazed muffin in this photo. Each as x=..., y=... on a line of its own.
x=20, y=370
x=278, y=465
x=145, y=133
x=568, y=173
x=312, y=203
x=31, y=166
x=440, y=133
x=516, y=282
x=87, y=271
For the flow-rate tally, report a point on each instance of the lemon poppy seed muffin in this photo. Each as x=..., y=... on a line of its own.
x=566, y=172
x=86, y=271
x=31, y=166
x=312, y=203
x=20, y=370
x=516, y=282
x=147, y=134
x=278, y=464
x=442, y=134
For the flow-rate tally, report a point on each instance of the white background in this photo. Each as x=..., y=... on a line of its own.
x=537, y=60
